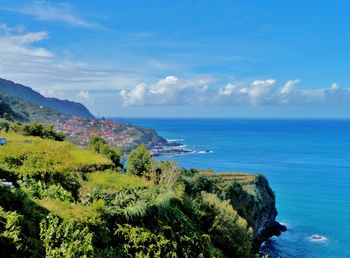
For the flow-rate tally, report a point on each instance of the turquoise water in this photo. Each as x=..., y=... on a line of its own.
x=307, y=163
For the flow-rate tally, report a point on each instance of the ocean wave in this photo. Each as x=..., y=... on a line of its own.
x=287, y=225
x=318, y=238
x=175, y=140
x=203, y=152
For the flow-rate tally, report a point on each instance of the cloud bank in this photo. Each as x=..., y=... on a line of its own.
x=173, y=91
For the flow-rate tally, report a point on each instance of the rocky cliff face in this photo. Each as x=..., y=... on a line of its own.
x=150, y=137
x=255, y=201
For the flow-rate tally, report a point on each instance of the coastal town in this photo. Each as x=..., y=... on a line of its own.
x=80, y=130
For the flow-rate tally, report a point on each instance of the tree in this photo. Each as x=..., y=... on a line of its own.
x=101, y=146
x=96, y=144
x=140, y=161
x=170, y=174
x=4, y=125
x=39, y=130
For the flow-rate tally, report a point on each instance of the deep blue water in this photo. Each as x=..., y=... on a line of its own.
x=307, y=163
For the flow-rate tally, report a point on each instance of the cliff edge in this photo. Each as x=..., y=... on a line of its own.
x=253, y=199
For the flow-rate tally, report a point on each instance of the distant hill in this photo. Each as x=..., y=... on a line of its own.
x=26, y=93
x=11, y=108
x=24, y=111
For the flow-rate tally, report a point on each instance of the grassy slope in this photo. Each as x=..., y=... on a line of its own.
x=226, y=178
x=113, y=181
x=65, y=155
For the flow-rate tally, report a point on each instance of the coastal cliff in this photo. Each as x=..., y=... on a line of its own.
x=253, y=199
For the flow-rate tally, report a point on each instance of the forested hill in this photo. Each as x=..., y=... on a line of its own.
x=26, y=93
x=17, y=109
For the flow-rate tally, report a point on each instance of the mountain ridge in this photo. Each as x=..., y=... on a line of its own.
x=27, y=93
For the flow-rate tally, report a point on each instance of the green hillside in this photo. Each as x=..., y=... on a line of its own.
x=26, y=93
x=24, y=111
x=68, y=202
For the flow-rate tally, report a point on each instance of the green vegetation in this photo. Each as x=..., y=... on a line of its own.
x=31, y=129
x=110, y=180
x=140, y=161
x=65, y=238
x=47, y=160
x=16, y=109
x=12, y=109
x=46, y=132
x=70, y=202
x=115, y=154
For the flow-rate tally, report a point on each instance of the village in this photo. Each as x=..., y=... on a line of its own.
x=80, y=130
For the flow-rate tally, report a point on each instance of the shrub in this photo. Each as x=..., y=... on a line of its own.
x=10, y=230
x=228, y=231
x=194, y=185
x=100, y=145
x=41, y=190
x=39, y=130
x=141, y=242
x=4, y=125
x=65, y=238
x=140, y=162
x=169, y=174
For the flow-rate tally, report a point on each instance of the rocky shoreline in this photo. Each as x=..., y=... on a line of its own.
x=173, y=151
x=173, y=148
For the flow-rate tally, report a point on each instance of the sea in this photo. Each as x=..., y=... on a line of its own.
x=307, y=163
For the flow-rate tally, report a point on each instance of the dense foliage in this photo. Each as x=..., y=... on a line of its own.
x=31, y=129
x=69, y=202
x=140, y=161
x=101, y=146
x=12, y=109
x=39, y=130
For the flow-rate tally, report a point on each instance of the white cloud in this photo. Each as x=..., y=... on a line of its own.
x=23, y=60
x=227, y=90
x=84, y=94
x=85, y=97
x=173, y=91
x=56, y=12
x=289, y=86
x=136, y=96
x=20, y=44
x=168, y=91
x=52, y=93
x=260, y=91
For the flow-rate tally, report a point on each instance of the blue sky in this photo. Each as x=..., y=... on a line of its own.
x=183, y=58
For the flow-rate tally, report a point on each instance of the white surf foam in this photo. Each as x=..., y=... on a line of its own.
x=175, y=140
x=318, y=238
